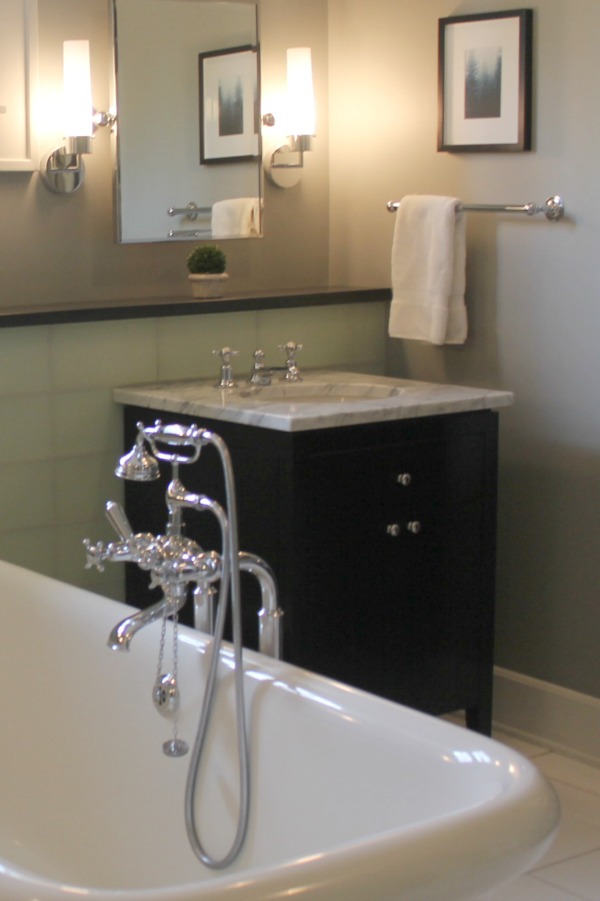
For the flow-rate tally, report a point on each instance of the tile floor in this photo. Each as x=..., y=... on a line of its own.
x=570, y=869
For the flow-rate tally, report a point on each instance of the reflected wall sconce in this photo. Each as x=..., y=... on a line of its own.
x=283, y=166
x=63, y=169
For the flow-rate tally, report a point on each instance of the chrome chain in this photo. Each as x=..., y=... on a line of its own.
x=165, y=693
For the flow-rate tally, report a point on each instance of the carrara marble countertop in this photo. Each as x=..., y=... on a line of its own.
x=323, y=399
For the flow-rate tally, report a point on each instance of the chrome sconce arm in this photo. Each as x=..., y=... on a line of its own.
x=283, y=166
x=296, y=144
x=62, y=170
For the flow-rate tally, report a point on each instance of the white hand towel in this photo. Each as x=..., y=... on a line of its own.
x=238, y=217
x=428, y=271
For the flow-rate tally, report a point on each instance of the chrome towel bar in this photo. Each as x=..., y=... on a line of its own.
x=553, y=207
x=189, y=233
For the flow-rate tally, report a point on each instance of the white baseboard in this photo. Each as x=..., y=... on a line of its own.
x=539, y=712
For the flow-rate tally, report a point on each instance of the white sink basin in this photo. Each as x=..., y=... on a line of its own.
x=334, y=392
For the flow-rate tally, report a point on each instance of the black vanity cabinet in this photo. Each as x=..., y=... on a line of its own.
x=382, y=539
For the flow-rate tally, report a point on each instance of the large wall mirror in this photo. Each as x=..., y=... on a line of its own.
x=188, y=135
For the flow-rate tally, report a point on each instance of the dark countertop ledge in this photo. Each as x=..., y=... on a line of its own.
x=150, y=307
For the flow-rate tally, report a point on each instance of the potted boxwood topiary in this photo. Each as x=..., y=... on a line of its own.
x=207, y=271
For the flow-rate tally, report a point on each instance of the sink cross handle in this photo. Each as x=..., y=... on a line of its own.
x=292, y=374
x=226, y=379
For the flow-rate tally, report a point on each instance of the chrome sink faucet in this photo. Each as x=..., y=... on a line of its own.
x=262, y=375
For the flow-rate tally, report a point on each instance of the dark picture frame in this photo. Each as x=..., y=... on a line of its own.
x=484, y=82
x=229, y=115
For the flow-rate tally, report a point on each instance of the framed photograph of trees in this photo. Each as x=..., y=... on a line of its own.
x=484, y=82
x=229, y=91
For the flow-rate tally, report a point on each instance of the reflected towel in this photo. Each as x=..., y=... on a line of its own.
x=428, y=271
x=238, y=217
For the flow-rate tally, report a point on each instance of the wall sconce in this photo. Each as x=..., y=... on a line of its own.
x=63, y=169
x=284, y=164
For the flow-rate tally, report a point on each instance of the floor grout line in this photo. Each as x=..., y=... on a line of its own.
x=553, y=885
x=557, y=863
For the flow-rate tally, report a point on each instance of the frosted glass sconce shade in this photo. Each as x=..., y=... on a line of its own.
x=300, y=94
x=283, y=166
x=77, y=90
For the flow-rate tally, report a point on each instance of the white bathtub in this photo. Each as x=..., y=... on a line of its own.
x=353, y=798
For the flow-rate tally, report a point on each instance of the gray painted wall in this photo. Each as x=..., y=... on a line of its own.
x=532, y=291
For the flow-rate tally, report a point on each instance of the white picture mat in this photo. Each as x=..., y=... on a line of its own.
x=464, y=36
x=18, y=83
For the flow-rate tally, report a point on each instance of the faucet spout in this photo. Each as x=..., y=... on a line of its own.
x=261, y=374
x=120, y=637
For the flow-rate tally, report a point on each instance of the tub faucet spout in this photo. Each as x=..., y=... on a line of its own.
x=120, y=637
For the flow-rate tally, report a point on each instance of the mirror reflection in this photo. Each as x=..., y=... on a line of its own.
x=188, y=136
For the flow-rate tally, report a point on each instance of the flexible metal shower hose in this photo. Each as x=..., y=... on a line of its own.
x=230, y=581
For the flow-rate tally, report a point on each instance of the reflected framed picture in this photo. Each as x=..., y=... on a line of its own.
x=484, y=82
x=229, y=115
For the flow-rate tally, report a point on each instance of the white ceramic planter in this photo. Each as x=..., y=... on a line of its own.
x=208, y=284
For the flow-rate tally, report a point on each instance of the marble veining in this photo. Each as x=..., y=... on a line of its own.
x=323, y=399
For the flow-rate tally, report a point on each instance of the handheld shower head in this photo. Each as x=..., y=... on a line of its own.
x=138, y=465
x=175, y=444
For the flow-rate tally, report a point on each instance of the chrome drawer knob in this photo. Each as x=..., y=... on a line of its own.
x=394, y=528
x=404, y=479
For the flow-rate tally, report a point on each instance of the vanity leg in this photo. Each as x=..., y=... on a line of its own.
x=479, y=718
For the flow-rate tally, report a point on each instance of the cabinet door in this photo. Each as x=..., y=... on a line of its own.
x=337, y=615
